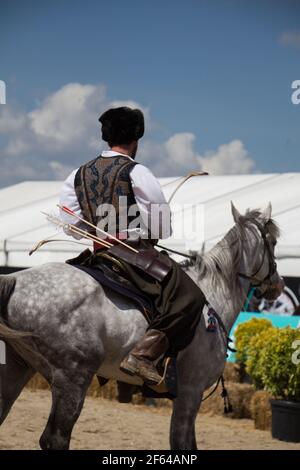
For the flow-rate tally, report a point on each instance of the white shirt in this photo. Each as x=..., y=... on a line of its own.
x=147, y=192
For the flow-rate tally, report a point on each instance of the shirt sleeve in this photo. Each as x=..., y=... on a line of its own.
x=68, y=198
x=154, y=209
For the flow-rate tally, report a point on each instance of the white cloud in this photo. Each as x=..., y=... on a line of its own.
x=180, y=150
x=94, y=142
x=60, y=171
x=63, y=131
x=17, y=147
x=130, y=104
x=228, y=159
x=177, y=156
x=174, y=157
x=65, y=116
x=59, y=134
x=11, y=121
x=67, y=120
x=13, y=171
x=290, y=38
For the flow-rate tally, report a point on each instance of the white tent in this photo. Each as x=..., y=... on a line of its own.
x=22, y=224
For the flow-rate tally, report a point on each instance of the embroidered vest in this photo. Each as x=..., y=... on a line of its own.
x=102, y=181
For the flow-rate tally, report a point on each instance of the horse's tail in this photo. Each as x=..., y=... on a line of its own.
x=7, y=287
x=14, y=337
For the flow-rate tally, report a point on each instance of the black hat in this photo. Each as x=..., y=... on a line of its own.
x=122, y=125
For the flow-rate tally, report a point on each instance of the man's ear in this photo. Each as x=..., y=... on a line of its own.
x=266, y=214
x=235, y=213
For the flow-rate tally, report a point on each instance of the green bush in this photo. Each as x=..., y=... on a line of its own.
x=270, y=362
x=254, y=363
x=244, y=333
x=266, y=353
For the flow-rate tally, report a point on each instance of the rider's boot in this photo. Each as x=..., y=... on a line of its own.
x=140, y=360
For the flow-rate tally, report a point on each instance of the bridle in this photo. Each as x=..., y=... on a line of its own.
x=254, y=281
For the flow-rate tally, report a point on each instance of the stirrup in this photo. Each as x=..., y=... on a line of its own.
x=134, y=368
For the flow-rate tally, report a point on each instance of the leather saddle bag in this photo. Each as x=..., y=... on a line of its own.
x=148, y=259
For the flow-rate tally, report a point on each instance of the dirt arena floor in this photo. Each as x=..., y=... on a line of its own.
x=106, y=424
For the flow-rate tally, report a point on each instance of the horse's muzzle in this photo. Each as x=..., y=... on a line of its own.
x=275, y=290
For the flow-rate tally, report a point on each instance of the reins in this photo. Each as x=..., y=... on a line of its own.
x=224, y=394
x=176, y=252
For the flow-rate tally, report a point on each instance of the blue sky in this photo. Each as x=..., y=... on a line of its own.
x=213, y=77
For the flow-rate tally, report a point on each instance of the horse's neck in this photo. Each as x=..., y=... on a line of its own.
x=224, y=302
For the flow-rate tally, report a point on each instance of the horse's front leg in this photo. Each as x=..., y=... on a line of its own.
x=185, y=409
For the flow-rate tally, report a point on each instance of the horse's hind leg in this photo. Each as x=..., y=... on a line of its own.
x=14, y=375
x=67, y=401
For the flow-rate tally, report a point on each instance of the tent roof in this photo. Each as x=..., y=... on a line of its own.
x=22, y=224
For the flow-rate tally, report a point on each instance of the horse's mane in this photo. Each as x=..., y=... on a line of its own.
x=222, y=262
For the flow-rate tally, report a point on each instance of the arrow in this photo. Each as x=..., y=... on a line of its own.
x=70, y=212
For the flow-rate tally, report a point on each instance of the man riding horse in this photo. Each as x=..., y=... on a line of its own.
x=105, y=182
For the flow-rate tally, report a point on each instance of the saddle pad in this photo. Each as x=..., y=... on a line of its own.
x=143, y=303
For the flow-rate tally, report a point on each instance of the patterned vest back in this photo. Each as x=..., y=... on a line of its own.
x=103, y=181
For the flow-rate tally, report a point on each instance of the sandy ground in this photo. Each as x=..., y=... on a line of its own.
x=104, y=424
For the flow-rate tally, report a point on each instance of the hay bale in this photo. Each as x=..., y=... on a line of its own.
x=37, y=382
x=240, y=397
x=232, y=372
x=108, y=391
x=261, y=410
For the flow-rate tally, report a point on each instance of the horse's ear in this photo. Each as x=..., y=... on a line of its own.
x=235, y=213
x=267, y=213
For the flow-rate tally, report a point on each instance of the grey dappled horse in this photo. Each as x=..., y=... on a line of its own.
x=77, y=329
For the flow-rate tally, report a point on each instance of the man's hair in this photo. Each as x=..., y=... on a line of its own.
x=122, y=125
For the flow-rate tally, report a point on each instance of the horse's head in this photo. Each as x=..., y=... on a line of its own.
x=263, y=234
